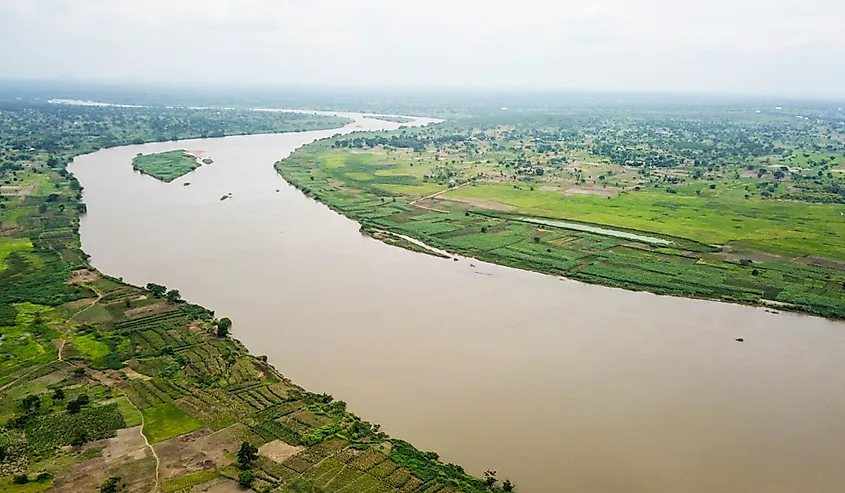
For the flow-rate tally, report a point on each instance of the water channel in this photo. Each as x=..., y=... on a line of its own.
x=558, y=385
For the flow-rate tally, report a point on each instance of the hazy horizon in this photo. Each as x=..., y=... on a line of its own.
x=780, y=48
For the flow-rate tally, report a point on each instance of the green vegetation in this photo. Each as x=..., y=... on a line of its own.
x=167, y=421
x=166, y=166
x=80, y=364
x=710, y=202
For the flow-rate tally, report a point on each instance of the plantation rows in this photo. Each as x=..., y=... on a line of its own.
x=331, y=466
x=213, y=406
x=166, y=319
x=150, y=393
x=152, y=341
x=119, y=294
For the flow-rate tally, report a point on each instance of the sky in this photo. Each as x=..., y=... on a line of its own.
x=763, y=47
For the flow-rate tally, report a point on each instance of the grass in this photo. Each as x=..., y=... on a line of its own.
x=90, y=346
x=779, y=227
x=9, y=245
x=8, y=486
x=167, y=421
x=130, y=413
x=166, y=166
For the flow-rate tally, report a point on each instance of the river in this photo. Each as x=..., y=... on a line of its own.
x=558, y=385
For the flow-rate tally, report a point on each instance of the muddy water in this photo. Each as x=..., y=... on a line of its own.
x=558, y=385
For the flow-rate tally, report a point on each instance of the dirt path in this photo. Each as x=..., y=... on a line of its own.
x=97, y=300
x=152, y=449
x=434, y=196
x=62, y=343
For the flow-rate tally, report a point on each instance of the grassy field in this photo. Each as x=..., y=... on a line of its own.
x=785, y=228
x=728, y=231
x=166, y=166
x=167, y=421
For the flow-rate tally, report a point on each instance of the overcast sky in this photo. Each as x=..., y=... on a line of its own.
x=786, y=47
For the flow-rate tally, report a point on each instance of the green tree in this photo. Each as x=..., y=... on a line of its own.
x=74, y=407
x=490, y=478
x=507, y=485
x=173, y=296
x=31, y=403
x=247, y=455
x=20, y=479
x=156, y=289
x=59, y=394
x=223, y=327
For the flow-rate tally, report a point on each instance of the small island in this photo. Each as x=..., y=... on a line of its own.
x=388, y=118
x=166, y=166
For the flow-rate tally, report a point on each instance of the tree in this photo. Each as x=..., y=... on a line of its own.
x=173, y=296
x=156, y=289
x=507, y=485
x=223, y=327
x=245, y=478
x=43, y=477
x=110, y=485
x=490, y=478
x=20, y=479
x=74, y=407
x=31, y=403
x=247, y=455
x=58, y=395
x=83, y=399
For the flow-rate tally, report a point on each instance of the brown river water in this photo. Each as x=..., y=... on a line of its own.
x=558, y=385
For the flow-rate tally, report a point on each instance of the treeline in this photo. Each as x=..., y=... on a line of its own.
x=416, y=142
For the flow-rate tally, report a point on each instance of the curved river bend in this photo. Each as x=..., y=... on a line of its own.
x=560, y=386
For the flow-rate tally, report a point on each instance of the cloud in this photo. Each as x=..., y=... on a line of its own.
x=756, y=46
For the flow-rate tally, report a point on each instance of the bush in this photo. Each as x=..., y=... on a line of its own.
x=245, y=478
x=20, y=479
x=110, y=485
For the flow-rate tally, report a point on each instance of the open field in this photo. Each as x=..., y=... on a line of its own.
x=627, y=202
x=85, y=358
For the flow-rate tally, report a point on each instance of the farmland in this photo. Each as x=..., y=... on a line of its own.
x=715, y=203
x=96, y=375
x=166, y=166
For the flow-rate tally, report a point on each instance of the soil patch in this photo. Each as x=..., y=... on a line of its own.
x=83, y=275
x=16, y=190
x=126, y=456
x=278, y=450
x=198, y=451
x=481, y=203
x=134, y=375
x=601, y=192
x=150, y=309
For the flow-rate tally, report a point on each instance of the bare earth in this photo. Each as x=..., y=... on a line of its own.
x=601, y=192
x=198, y=451
x=278, y=450
x=126, y=456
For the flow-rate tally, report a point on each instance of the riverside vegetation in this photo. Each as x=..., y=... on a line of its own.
x=111, y=387
x=741, y=203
